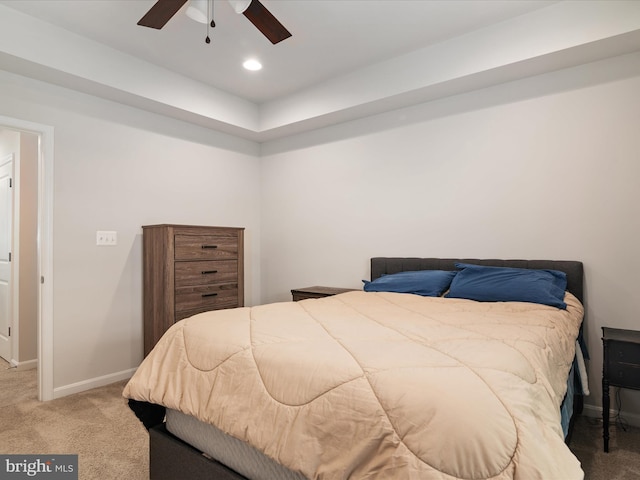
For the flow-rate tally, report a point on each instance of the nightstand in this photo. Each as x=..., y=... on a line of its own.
x=317, y=292
x=620, y=367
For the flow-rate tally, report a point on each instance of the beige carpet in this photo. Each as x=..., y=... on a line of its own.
x=17, y=386
x=623, y=460
x=97, y=425
x=112, y=444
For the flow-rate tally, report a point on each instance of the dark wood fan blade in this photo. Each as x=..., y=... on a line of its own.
x=266, y=22
x=161, y=13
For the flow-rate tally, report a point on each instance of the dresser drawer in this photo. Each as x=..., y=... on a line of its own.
x=623, y=364
x=624, y=352
x=206, y=297
x=205, y=272
x=624, y=375
x=189, y=313
x=205, y=247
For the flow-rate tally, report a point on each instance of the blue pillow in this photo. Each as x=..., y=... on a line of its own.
x=501, y=284
x=428, y=283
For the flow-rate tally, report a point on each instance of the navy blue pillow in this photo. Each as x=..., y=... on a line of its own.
x=428, y=283
x=501, y=284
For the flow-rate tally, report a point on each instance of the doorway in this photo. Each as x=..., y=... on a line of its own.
x=6, y=240
x=43, y=261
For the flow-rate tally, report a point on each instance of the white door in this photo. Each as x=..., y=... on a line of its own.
x=6, y=235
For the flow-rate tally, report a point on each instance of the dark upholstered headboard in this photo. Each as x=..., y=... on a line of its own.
x=574, y=270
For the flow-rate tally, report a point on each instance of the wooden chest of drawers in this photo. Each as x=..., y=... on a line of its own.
x=188, y=270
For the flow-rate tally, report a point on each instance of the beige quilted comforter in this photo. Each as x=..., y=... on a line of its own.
x=378, y=385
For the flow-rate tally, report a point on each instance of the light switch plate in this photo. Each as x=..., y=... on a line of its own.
x=106, y=238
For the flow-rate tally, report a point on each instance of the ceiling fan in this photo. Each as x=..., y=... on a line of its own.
x=256, y=12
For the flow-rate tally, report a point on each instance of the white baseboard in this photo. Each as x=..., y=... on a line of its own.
x=28, y=365
x=78, y=387
x=596, y=412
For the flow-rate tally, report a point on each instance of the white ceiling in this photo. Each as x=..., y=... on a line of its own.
x=329, y=37
x=346, y=59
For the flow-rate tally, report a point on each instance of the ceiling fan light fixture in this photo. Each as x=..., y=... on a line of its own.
x=197, y=10
x=202, y=11
x=239, y=6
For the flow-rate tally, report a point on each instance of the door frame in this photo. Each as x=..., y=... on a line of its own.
x=44, y=249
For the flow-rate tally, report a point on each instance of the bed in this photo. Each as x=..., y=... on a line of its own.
x=375, y=384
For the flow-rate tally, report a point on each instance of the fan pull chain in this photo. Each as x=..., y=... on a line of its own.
x=209, y=15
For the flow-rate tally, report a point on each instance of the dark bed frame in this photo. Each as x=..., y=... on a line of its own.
x=172, y=459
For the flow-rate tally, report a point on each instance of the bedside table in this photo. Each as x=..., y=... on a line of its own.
x=620, y=367
x=317, y=292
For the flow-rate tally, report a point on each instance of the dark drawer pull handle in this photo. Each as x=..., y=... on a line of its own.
x=209, y=295
x=209, y=246
x=207, y=272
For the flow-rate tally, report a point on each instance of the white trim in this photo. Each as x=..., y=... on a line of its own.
x=28, y=365
x=15, y=261
x=596, y=412
x=93, y=383
x=45, y=249
x=45, y=263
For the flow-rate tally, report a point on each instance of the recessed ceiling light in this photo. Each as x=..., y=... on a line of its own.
x=252, y=65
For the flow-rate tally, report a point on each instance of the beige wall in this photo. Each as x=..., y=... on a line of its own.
x=118, y=168
x=543, y=168
x=28, y=329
